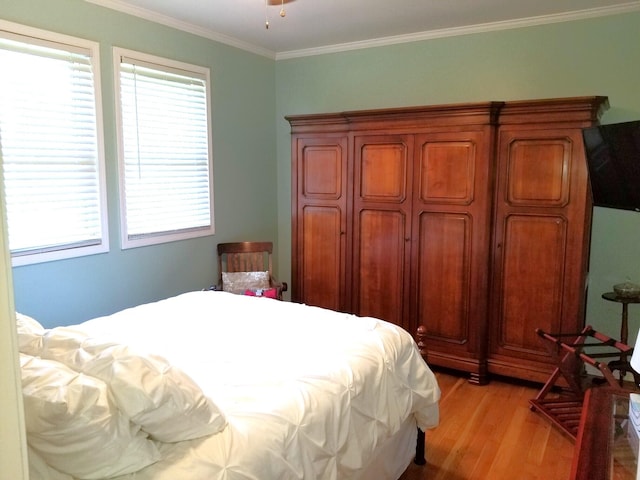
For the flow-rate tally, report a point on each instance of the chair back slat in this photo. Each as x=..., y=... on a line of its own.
x=247, y=262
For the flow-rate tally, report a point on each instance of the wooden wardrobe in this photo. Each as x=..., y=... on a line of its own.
x=470, y=219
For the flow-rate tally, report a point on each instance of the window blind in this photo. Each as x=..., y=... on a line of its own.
x=165, y=148
x=49, y=146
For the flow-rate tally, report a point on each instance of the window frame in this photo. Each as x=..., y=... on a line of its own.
x=67, y=251
x=140, y=240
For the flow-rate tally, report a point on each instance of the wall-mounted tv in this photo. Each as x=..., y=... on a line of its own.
x=613, y=159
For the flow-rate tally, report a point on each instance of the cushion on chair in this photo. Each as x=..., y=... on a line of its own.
x=239, y=282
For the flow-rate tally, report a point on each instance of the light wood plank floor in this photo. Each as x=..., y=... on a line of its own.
x=489, y=433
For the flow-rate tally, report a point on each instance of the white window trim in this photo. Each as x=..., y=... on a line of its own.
x=94, y=47
x=164, y=237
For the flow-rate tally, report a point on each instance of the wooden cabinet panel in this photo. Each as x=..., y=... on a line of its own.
x=443, y=277
x=447, y=172
x=381, y=265
x=532, y=283
x=322, y=172
x=322, y=262
x=383, y=171
x=538, y=172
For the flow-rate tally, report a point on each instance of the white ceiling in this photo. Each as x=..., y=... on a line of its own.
x=317, y=26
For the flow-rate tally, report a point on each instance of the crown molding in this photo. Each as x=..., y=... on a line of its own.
x=376, y=42
x=468, y=30
x=183, y=26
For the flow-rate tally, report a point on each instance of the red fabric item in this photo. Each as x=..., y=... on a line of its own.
x=267, y=292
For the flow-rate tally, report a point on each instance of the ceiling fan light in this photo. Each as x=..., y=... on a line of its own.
x=283, y=13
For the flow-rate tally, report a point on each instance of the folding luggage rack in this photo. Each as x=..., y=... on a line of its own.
x=564, y=408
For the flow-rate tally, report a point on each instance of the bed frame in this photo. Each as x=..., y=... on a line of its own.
x=421, y=335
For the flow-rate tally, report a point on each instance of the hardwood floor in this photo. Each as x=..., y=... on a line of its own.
x=489, y=433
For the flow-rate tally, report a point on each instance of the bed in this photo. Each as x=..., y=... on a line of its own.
x=212, y=385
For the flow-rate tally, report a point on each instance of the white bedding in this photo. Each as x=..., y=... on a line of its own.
x=307, y=393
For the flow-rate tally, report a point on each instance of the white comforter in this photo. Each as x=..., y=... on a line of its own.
x=307, y=393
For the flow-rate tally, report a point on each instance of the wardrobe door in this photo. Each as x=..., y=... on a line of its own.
x=540, y=250
x=451, y=212
x=319, y=221
x=382, y=226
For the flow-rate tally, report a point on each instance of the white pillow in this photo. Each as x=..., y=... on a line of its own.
x=29, y=334
x=28, y=323
x=239, y=282
x=162, y=399
x=73, y=425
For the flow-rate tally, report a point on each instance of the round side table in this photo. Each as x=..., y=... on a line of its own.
x=623, y=364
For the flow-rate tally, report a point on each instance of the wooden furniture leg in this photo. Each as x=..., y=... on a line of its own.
x=421, y=335
x=420, y=458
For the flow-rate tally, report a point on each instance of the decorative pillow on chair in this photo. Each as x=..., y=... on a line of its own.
x=239, y=282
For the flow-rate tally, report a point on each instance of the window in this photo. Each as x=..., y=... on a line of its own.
x=51, y=145
x=164, y=149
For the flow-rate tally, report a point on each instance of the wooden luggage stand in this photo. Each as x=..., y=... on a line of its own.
x=564, y=409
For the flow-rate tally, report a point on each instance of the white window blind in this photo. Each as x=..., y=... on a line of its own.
x=49, y=147
x=165, y=164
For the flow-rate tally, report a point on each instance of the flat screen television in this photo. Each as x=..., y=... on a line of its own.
x=613, y=160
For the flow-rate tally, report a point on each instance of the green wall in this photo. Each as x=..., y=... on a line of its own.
x=588, y=57
x=244, y=163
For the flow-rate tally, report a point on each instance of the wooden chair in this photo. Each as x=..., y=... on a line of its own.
x=255, y=257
